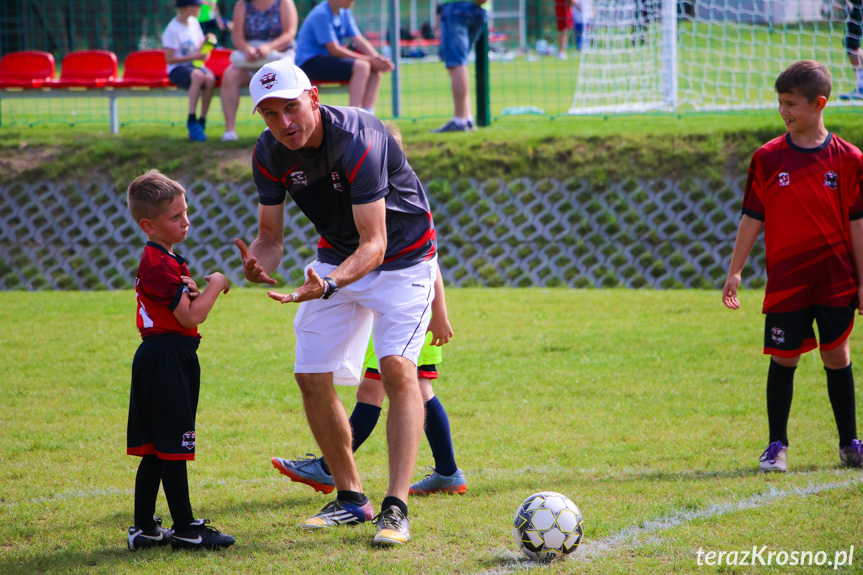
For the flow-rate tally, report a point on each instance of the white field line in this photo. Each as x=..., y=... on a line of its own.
x=637, y=535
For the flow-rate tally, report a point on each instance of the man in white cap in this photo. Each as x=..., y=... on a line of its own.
x=375, y=267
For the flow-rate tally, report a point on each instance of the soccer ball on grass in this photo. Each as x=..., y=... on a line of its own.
x=547, y=526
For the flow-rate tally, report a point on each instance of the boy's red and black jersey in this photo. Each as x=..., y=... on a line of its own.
x=158, y=289
x=806, y=199
x=359, y=162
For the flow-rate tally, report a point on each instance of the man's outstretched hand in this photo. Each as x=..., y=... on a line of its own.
x=312, y=289
x=251, y=269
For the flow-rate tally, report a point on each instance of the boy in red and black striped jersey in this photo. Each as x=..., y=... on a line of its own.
x=166, y=376
x=804, y=189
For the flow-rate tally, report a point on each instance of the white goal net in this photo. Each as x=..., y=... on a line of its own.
x=704, y=55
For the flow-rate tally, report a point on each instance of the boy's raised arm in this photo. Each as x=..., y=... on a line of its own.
x=191, y=313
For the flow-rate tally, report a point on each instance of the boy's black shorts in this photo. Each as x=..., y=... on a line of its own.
x=166, y=379
x=853, y=24
x=790, y=334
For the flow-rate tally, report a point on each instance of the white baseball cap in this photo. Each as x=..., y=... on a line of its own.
x=279, y=79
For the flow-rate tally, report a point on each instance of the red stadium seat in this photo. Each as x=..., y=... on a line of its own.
x=143, y=69
x=86, y=69
x=28, y=69
x=218, y=62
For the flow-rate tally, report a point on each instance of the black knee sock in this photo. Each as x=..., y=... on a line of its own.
x=146, y=490
x=176, y=484
x=780, y=391
x=840, y=389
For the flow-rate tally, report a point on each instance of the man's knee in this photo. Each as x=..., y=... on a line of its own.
x=398, y=373
x=313, y=384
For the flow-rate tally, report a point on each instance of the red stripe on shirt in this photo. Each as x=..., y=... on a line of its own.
x=430, y=235
x=263, y=170
x=269, y=175
x=360, y=163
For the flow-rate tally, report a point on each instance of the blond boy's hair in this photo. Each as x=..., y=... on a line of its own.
x=808, y=78
x=150, y=193
x=394, y=130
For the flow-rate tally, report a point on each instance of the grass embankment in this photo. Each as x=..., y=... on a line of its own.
x=595, y=148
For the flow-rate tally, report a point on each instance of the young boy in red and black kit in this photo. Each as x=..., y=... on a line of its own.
x=804, y=188
x=166, y=375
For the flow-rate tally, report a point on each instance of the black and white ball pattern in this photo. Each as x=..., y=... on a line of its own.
x=547, y=526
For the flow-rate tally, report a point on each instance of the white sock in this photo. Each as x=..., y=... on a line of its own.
x=859, y=73
x=459, y=121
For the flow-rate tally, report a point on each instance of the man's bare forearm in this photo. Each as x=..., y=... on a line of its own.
x=268, y=252
x=367, y=257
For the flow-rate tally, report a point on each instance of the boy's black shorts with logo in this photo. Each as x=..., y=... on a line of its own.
x=789, y=334
x=166, y=380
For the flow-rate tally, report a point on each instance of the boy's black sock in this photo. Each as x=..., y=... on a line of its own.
x=352, y=497
x=780, y=391
x=191, y=119
x=175, y=481
x=840, y=389
x=146, y=490
x=389, y=501
x=202, y=121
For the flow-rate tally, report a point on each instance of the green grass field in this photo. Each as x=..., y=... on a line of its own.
x=645, y=407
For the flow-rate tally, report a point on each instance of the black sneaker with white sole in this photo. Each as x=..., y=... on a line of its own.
x=140, y=539
x=200, y=536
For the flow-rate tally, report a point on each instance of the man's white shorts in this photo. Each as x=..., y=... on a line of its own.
x=333, y=334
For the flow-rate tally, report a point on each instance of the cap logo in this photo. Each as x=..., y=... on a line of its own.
x=268, y=81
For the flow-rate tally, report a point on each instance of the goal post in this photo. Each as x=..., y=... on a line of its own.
x=704, y=55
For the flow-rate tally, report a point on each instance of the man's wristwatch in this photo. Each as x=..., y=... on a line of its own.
x=330, y=288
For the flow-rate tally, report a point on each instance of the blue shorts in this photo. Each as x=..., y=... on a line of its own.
x=461, y=24
x=181, y=76
x=328, y=69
